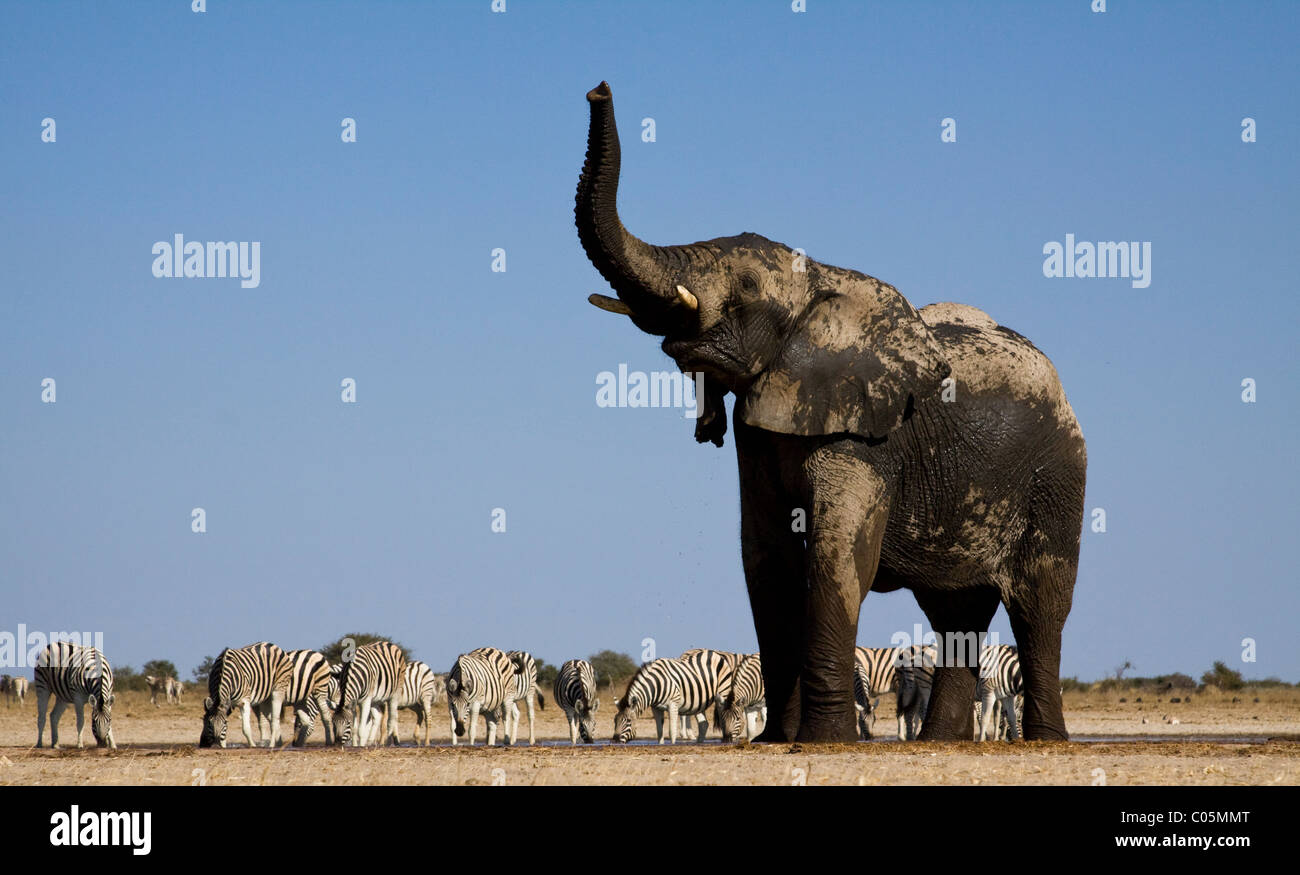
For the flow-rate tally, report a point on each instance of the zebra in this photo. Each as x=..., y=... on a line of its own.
x=174, y=690
x=481, y=682
x=372, y=677
x=999, y=681
x=75, y=675
x=308, y=693
x=155, y=684
x=419, y=690
x=672, y=687
x=575, y=693
x=255, y=676
x=525, y=687
x=915, y=680
x=905, y=671
x=14, y=688
x=723, y=663
x=744, y=700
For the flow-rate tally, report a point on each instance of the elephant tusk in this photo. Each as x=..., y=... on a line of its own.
x=612, y=305
x=687, y=298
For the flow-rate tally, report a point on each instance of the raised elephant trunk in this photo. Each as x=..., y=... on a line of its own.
x=640, y=273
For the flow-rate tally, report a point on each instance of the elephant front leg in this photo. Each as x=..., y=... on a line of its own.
x=772, y=525
x=848, y=516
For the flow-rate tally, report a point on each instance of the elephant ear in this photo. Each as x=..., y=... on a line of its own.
x=855, y=361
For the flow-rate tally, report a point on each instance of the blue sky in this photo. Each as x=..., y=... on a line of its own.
x=476, y=389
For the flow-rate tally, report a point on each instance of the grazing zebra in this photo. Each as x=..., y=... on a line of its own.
x=575, y=694
x=75, y=676
x=670, y=687
x=525, y=687
x=999, y=681
x=308, y=693
x=255, y=676
x=419, y=690
x=880, y=670
x=915, y=680
x=372, y=677
x=723, y=663
x=14, y=688
x=481, y=682
x=745, y=700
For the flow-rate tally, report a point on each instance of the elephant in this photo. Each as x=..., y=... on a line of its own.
x=929, y=450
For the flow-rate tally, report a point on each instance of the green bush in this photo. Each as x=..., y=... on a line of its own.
x=334, y=650
x=1223, y=677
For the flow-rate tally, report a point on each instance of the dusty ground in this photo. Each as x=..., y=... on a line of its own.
x=1215, y=741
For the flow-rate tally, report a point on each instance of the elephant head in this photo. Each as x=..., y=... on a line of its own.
x=808, y=349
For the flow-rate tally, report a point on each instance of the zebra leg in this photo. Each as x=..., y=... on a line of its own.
x=365, y=724
x=532, y=737
x=277, y=705
x=59, y=707
x=246, y=722
x=701, y=728
x=987, y=700
x=959, y=619
x=1009, y=712
x=326, y=717
x=42, y=701
x=80, y=710
x=672, y=725
x=473, y=723
x=573, y=724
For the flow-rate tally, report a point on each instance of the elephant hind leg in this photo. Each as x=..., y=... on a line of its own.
x=1037, y=612
x=959, y=619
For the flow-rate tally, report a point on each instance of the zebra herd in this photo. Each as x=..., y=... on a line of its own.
x=357, y=700
x=13, y=689
x=169, y=687
x=688, y=686
x=908, y=672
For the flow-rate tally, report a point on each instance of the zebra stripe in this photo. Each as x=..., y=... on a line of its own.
x=575, y=693
x=256, y=676
x=524, y=687
x=745, y=700
x=308, y=693
x=907, y=672
x=672, y=687
x=75, y=675
x=915, y=680
x=481, y=682
x=419, y=690
x=372, y=677
x=723, y=663
x=1000, y=681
